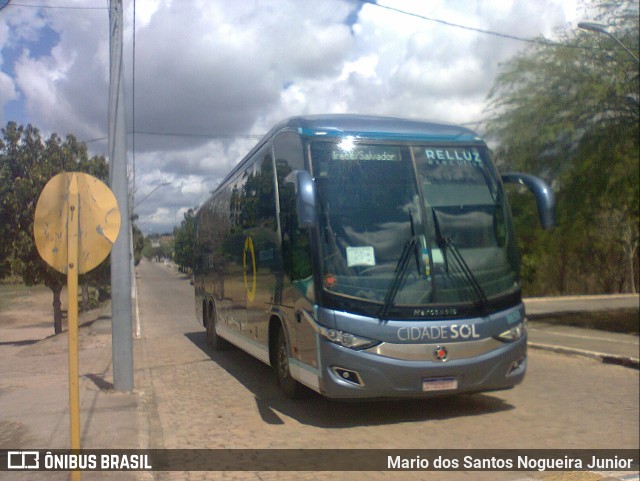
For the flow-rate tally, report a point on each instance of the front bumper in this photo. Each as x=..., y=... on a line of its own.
x=384, y=377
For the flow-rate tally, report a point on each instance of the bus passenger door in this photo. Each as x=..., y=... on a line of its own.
x=298, y=287
x=306, y=346
x=296, y=290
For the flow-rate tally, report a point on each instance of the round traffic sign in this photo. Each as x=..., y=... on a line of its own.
x=98, y=221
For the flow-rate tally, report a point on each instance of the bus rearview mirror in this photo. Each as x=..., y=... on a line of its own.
x=545, y=199
x=305, y=198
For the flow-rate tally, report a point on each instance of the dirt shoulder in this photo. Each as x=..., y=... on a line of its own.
x=26, y=313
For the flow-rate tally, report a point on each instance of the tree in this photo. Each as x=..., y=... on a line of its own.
x=184, y=237
x=569, y=112
x=138, y=244
x=27, y=163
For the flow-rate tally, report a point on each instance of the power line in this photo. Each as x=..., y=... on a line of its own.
x=57, y=7
x=97, y=139
x=202, y=136
x=187, y=135
x=536, y=41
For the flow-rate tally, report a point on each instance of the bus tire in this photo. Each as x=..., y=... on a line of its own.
x=291, y=388
x=215, y=341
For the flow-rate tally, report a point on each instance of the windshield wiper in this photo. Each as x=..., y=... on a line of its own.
x=401, y=268
x=447, y=245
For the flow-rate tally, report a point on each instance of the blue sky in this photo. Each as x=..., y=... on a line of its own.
x=39, y=47
x=212, y=75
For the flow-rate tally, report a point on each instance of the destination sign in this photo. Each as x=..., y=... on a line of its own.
x=368, y=153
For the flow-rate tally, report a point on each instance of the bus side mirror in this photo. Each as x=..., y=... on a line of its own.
x=545, y=200
x=305, y=198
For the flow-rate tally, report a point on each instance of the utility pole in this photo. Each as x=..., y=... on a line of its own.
x=121, y=305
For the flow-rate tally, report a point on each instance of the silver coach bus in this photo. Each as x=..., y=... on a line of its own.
x=367, y=257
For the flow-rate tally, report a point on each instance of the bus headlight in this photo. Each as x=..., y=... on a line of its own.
x=513, y=334
x=347, y=339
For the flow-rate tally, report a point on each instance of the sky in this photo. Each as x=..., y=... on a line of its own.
x=207, y=78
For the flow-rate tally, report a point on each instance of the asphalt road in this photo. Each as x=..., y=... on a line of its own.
x=198, y=398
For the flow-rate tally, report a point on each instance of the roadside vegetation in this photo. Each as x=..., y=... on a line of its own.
x=569, y=112
x=27, y=163
x=184, y=237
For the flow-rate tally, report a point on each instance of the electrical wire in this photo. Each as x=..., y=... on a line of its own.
x=536, y=41
x=187, y=135
x=57, y=7
x=202, y=136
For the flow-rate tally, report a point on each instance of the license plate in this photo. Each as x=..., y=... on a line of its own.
x=440, y=384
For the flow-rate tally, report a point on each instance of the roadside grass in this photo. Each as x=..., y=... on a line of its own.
x=13, y=293
x=624, y=321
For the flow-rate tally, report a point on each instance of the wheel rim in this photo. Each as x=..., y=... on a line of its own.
x=283, y=360
x=211, y=327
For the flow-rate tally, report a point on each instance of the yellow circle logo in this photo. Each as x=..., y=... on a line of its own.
x=248, y=247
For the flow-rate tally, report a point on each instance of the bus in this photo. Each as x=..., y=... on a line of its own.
x=367, y=257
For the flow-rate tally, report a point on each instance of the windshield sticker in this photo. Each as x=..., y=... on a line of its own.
x=436, y=255
x=453, y=156
x=367, y=153
x=360, y=256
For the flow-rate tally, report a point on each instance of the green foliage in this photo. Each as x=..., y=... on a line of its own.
x=27, y=163
x=147, y=250
x=571, y=115
x=184, y=238
x=138, y=244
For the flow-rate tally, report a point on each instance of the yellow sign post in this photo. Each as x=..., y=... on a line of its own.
x=76, y=222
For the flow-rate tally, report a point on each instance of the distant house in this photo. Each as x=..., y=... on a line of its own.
x=166, y=239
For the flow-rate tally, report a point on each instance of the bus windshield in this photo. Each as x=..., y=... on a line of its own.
x=412, y=225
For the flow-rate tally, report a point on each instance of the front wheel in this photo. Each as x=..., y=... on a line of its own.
x=215, y=341
x=292, y=389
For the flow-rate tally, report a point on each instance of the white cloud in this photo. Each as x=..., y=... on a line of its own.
x=65, y=91
x=7, y=93
x=215, y=70
x=24, y=24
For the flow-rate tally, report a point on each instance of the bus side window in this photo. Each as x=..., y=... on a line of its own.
x=296, y=250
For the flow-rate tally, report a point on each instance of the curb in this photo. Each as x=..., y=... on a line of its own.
x=631, y=362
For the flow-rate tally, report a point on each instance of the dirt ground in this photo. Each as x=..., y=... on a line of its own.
x=26, y=313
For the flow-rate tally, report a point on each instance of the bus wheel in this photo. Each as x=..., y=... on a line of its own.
x=215, y=341
x=292, y=389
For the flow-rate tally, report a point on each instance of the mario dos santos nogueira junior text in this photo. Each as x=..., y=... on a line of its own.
x=509, y=463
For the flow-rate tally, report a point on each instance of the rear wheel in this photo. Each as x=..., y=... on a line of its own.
x=292, y=389
x=215, y=341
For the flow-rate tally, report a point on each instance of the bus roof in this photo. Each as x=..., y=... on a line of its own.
x=365, y=126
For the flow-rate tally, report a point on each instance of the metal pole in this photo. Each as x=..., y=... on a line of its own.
x=73, y=232
x=598, y=27
x=121, y=305
x=622, y=45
